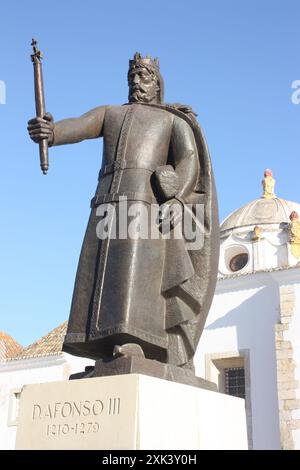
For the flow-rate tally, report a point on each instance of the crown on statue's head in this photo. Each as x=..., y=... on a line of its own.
x=139, y=61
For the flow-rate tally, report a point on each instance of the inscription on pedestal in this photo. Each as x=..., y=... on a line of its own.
x=56, y=415
x=76, y=414
x=114, y=406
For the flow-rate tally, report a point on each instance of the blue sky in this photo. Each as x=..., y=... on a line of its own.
x=233, y=61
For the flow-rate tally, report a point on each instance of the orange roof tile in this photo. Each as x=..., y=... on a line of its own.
x=9, y=347
x=48, y=345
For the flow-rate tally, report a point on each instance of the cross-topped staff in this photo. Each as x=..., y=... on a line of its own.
x=40, y=101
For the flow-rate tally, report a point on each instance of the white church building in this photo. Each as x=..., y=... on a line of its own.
x=251, y=343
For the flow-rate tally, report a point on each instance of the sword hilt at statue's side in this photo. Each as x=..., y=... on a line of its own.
x=40, y=101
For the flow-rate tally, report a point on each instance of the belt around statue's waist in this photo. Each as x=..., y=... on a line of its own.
x=126, y=196
x=126, y=165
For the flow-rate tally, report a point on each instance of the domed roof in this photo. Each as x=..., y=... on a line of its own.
x=267, y=209
x=261, y=211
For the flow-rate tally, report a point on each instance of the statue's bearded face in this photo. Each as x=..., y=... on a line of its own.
x=143, y=86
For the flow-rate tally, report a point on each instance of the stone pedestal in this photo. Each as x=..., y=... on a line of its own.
x=130, y=411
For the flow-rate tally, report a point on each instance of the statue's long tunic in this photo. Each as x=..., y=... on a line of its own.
x=125, y=289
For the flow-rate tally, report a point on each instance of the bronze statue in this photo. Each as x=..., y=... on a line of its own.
x=147, y=299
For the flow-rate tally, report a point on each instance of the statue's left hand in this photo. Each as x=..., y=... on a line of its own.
x=170, y=213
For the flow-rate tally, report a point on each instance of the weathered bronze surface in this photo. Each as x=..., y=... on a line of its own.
x=137, y=300
x=138, y=365
x=39, y=101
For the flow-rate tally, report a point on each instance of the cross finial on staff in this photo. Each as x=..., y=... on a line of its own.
x=37, y=55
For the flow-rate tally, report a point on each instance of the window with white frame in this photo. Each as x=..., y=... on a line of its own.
x=13, y=411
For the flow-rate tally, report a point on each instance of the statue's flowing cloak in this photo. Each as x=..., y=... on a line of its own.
x=171, y=332
x=200, y=287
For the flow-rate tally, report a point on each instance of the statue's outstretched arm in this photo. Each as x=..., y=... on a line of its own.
x=87, y=126
x=67, y=131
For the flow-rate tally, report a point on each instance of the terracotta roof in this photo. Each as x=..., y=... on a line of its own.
x=48, y=345
x=9, y=347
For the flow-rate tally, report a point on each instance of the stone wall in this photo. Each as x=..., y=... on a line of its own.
x=287, y=384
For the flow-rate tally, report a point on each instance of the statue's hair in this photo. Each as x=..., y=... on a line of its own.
x=149, y=69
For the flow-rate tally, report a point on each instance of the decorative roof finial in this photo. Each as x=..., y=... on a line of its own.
x=256, y=234
x=295, y=234
x=268, y=184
